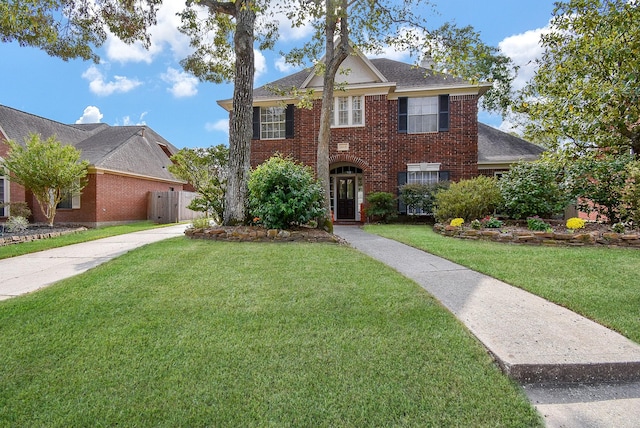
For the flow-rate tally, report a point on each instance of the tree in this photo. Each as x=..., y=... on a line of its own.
x=49, y=169
x=368, y=25
x=206, y=170
x=585, y=93
x=72, y=28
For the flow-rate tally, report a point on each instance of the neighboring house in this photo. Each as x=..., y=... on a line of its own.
x=126, y=163
x=393, y=123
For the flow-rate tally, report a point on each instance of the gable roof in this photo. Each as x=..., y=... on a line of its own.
x=499, y=149
x=394, y=77
x=127, y=149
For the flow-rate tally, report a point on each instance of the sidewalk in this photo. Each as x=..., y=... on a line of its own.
x=24, y=274
x=534, y=341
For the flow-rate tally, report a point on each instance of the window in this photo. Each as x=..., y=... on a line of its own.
x=2, y=197
x=348, y=111
x=274, y=122
x=419, y=173
x=423, y=114
x=70, y=200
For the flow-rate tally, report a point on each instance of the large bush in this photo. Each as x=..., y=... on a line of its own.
x=283, y=193
x=468, y=199
x=630, y=195
x=533, y=189
x=421, y=196
x=598, y=181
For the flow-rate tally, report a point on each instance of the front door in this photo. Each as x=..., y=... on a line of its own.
x=346, y=198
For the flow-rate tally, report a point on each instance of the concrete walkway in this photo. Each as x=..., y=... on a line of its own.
x=24, y=274
x=576, y=372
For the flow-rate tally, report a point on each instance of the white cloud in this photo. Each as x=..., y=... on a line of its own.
x=91, y=114
x=99, y=86
x=222, y=125
x=524, y=49
x=281, y=65
x=126, y=121
x=182, y=84
x=164, y=33
x=260, y=63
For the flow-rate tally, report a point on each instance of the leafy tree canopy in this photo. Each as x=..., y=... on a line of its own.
x=47, y=168
x=586, y=92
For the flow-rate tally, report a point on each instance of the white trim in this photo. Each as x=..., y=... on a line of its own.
x=336, y=112
x=423, y=166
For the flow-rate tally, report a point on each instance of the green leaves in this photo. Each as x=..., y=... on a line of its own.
x=48, y=169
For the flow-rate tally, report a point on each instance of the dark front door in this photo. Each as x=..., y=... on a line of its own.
x=346, y=198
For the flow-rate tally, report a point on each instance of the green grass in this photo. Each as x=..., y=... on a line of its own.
x=196, y=333
x=74, y=238
x=602, y=284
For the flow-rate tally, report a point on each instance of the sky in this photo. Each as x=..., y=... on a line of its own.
x=134, y=86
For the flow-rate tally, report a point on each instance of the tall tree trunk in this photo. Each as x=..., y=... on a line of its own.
x=334, y=57
x=240, y=129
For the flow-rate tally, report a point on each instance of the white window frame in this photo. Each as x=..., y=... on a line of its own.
x=348, y=111
x=422, y=173
x=273, y=123
x=423, y=115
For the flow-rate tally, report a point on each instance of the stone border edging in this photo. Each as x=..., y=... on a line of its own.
x=17, y=239
x=258, y=234
x=578, y=239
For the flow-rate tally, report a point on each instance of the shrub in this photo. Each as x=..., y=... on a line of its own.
x=536, y=223
x=468, y=199
x=630, y=195
x=533, y=189
x=17, y=224
x=381, y=206
x=598, y=182
x=476, y=224
x=492, y=222
x=283, y=193
x=201, y=222
x=18, y=209
x=619, y=227
x=421, y=196
x=457, y=222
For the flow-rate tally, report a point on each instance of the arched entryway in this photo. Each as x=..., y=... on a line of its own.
x=347, y=191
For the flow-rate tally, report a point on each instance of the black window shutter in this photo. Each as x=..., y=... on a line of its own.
x=443, y=108
x=256, y=123
x=402, y=180
x=403, y=111
x=288, y=127
x=443, y=175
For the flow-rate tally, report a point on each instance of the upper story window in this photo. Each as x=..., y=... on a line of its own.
x=423, y=114
x=273, y=122
x=348, y=111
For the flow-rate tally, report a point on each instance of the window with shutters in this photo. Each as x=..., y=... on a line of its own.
x=423, y=114
x=419, y=173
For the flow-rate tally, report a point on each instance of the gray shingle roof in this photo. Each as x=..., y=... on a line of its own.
x=495, y=146
x=130, y=149
x=406, y=76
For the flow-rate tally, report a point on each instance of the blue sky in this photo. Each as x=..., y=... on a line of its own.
x=133, y=86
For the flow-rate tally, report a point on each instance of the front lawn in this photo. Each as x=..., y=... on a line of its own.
x=602, y=284
x=196, y=333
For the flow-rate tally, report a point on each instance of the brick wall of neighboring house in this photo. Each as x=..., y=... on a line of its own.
x=110, y=199
x=378, y=148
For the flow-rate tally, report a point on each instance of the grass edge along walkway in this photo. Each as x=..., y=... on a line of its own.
x=194, y=333
x=13, y=250
x=602, y=284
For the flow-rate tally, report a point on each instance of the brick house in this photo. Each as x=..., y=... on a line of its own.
x=126, y=163
x=393, y=123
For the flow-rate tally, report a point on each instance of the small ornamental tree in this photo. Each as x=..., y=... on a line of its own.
x=381, y=206
x=284, y=193
x=47, y=168
x=206, y=170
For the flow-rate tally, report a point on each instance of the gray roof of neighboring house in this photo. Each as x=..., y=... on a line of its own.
x=129, y=149
x=495, y=146
x=404, y=75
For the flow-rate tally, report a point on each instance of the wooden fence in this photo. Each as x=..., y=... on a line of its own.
x=171, y=207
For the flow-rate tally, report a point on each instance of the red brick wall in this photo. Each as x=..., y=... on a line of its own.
x=379, y=149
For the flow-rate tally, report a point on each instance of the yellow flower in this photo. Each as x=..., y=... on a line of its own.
x=575, y=223
x=457, y=222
